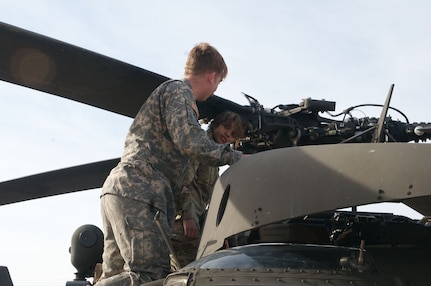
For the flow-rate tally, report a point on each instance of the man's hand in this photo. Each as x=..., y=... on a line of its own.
x=190, y=228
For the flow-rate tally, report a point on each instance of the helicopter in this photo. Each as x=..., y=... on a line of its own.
x=294, y=132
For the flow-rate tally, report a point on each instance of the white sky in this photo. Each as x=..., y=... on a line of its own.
x=277, y=51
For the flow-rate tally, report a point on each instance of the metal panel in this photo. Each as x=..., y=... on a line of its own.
x=286, y=183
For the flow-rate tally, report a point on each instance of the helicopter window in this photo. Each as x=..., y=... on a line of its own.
x=223, y=204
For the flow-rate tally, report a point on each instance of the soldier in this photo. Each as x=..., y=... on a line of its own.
x=192, y=201
x=162, y=139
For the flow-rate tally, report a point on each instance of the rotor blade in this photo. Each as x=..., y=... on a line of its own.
x=73, y=179
x=215, y=105
x=58, y=68
x=45, y=64
x=48, y=65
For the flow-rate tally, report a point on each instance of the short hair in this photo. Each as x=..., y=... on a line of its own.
x=205, y=58
x=230, y=120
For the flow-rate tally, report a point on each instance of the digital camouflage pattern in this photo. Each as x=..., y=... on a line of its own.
x=139, y=235
x=191, y=203
x=163, y=138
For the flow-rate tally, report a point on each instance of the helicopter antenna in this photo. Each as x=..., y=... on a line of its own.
x=378, y=132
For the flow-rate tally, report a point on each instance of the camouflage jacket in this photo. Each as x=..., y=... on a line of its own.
x=192, y=200
x=164, y=136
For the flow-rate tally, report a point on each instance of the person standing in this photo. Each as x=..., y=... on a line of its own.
x=193, y=199
x=163, y=138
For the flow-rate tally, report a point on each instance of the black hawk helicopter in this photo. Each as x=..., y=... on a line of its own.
x=285, y=200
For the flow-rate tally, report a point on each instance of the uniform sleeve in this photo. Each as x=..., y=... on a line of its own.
x=194, y=200
x=187, y=134
x=184, y=203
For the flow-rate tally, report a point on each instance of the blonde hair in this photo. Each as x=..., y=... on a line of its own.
x=204, y=58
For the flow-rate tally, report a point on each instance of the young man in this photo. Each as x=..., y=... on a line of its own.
x=193, y=199
x=162, y=139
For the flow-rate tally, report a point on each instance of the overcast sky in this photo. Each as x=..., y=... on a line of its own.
x=279, y=52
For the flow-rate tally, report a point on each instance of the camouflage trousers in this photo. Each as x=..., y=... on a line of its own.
x=134, y=250
x=185, y=248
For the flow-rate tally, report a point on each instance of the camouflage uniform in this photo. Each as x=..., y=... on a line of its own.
x=162, y=139
x=191, y=203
